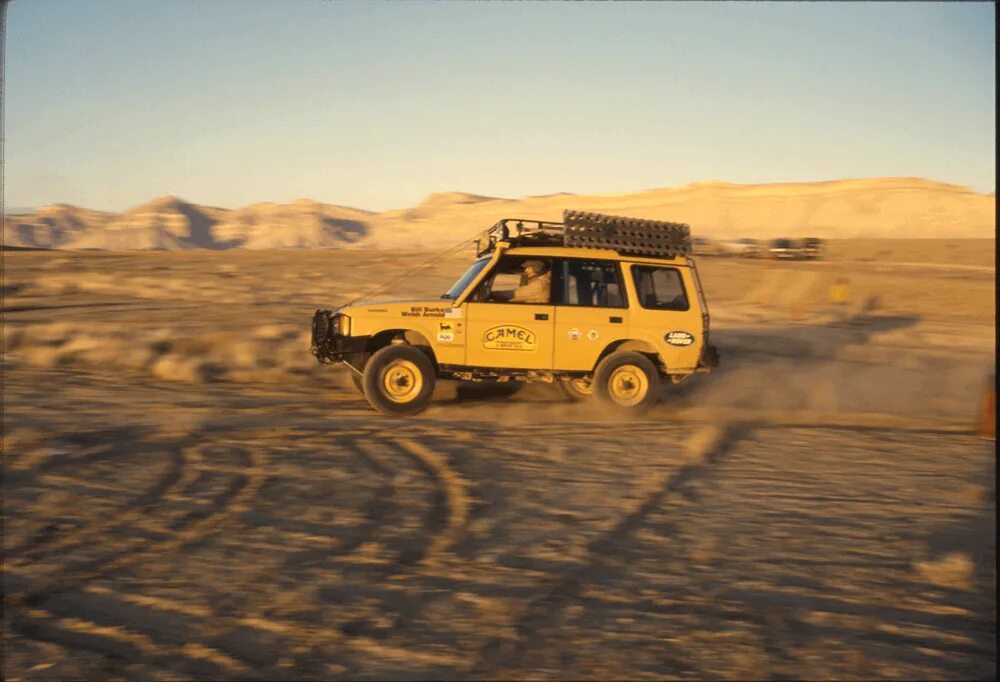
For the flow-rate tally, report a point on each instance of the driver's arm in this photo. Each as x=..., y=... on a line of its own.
x=535, y=291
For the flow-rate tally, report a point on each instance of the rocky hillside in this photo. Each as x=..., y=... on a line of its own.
x=879, y=207
x=169, y=223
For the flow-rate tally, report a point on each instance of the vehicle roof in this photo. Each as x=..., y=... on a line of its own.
x=603, y=254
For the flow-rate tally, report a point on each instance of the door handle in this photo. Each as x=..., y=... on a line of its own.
x=615, y=319
x=541, y=316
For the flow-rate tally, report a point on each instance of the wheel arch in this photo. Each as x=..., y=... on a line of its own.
x=409, y=336
x=637, y=345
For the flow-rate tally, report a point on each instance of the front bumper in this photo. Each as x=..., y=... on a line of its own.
x=327, y=346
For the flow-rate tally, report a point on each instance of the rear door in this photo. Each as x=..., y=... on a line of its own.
x=591, y=310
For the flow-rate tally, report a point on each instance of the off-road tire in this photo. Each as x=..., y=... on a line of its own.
x=626, y=235
x=627, y=381
x=572, y=389
x=399, y=380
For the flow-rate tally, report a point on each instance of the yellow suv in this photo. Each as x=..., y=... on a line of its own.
x=602, y=305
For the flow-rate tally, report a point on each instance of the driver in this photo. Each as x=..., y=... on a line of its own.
x=539, y=285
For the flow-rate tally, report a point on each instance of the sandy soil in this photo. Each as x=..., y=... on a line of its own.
x=187, y=494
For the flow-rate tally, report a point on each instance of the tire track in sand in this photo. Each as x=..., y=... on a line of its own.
x=65, y=611
x=77, y=627
x=51, y=539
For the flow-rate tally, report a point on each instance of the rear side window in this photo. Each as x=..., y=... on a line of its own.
x=659, y=288
x=591, y=283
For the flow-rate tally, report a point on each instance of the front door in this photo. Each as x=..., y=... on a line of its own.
x=509, y=335
x=510, y=316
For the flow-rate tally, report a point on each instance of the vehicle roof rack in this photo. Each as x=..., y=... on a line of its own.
x=627, y=236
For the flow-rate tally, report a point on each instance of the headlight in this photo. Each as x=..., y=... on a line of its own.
x=342, y=325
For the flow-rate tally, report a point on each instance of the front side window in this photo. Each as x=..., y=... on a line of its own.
x=517, y=279
x=590, y=283
x=659, y=288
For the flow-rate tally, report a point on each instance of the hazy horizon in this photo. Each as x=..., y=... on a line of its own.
x=375, y=106
x=10, y=210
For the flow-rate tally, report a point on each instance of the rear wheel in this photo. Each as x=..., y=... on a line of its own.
x=399, y=380
x=578, y=388
x=627, y=381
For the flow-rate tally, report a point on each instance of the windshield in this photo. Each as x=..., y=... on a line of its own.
x=458, y=287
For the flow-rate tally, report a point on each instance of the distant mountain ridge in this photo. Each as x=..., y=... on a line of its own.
x=169, y=223
x=850, y=208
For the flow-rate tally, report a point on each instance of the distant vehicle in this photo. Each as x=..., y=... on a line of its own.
x=784, y=248
x=811, y=248
x=745, y=248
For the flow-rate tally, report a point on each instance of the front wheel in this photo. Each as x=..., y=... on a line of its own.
x=399, y=380
x=627, y=381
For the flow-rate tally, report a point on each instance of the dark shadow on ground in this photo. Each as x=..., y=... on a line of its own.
x=8, y=247
x=34, y=308
x=486, y=392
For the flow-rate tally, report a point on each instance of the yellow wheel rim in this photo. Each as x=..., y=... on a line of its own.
x=628, y=385
x=402, y=381
x=582, y=386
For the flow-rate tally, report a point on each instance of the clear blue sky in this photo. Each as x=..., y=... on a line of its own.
x=376, y=105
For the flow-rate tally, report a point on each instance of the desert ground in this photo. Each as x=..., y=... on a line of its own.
x=188, y=494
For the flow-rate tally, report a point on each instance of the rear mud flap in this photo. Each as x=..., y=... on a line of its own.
x=709, y=358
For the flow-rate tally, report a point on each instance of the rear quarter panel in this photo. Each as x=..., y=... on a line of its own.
x=653, y=326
